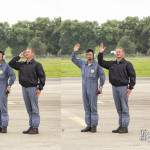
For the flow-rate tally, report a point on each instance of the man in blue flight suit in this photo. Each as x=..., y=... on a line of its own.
x=91, y=72
x=7, y=78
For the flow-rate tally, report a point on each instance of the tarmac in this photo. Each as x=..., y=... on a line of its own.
x=62, y=118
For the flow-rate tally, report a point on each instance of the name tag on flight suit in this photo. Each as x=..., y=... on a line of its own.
x=1, y=71
x=92, y=70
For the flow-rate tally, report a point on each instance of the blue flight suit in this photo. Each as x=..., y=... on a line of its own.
x=90, y=75
x=7, y=78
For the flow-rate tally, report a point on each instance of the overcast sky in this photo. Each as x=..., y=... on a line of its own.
x=98, y=10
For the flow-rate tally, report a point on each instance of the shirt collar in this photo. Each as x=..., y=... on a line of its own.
x=3, y=62
x=121, y=61
x=30, y=62
x=91, y=63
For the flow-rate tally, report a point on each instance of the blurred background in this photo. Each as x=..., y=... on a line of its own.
x=52, y=27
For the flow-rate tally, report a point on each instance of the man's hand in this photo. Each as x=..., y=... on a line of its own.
x=8, y=90
x=99, y=91
x=128, y=92
x=102, y=48
x=38, y=92
x=21, y=55
x=76, y=47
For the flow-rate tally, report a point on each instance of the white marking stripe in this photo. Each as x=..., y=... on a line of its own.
x=100, y=102
x=11, y=103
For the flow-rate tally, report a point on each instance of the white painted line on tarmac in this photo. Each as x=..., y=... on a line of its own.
x=11, y=103
x=100, y=102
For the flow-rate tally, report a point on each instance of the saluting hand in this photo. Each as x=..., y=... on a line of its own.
x=76, y=47
x=21, y=55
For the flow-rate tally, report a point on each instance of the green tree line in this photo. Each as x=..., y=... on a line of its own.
x=57, y=36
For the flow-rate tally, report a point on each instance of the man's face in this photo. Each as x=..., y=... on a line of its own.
x=89, y=56
x=119, y=53
x=1, y=56
x=28, y=54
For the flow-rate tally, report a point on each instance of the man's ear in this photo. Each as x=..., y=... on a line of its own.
x=3, y=56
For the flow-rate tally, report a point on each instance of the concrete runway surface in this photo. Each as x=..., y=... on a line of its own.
x=62, y=118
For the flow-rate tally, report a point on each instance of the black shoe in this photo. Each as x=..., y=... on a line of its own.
x=33, y=131
x=87, y=129
x=123, y=130
x=0, y=129
x=117, y=130
x=93, y=129
x=3, y=130
x=27, y=131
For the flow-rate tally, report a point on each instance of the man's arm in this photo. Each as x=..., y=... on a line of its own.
x=101, y=61
x=75, y=60
x=41, y=76
x=11, y=79
x=101, y=75
x=132, y=75
x=14, y=63
x=78, y=62
x=11, y=75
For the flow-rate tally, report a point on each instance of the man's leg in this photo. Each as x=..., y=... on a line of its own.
x=117, y=103
x=86, y=105
x=0, y=110
x=0, y=117
x=94, y=114
x=118, y=107
x=3, y=109
x=35, y=108
x=91, y=92
x=27, y=104
x=4, y=112
x=124, y=105
x=87, y=109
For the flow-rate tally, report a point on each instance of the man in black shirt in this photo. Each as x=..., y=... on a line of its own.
x=32, y=80
x=122, y=77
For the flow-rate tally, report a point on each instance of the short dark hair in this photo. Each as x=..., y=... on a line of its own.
x=90, y=50
x=2, y=52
